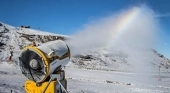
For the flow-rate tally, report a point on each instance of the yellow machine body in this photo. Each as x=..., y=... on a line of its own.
x=30, y=87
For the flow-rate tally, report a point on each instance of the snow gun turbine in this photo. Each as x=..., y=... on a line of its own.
x=42, y=65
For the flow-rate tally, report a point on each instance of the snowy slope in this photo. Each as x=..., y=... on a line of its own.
x=91, y=81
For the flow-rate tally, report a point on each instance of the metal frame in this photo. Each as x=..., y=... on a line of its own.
x=53, y=77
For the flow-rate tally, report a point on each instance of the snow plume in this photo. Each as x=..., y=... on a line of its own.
x=133, y=28
x=133, y=32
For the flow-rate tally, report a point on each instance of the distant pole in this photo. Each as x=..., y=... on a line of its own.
x=167, y=66
x=159, y=71
x=167, y=69
x=159, y=78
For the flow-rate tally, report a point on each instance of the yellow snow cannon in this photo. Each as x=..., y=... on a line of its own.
x=42, y=65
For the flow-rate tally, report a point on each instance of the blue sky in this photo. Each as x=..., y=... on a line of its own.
x=67, y=16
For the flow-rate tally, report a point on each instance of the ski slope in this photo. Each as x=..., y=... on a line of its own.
x=91, y=81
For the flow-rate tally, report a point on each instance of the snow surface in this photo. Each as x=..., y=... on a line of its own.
x=91, y=81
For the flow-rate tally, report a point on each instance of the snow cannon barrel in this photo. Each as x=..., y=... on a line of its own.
x=37, y=63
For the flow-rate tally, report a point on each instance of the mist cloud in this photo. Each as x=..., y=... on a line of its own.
x=141, y=32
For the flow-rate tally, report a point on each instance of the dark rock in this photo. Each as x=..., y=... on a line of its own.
x=109, y=81
x=1, y=24
x=1, y=44
x=128, y=83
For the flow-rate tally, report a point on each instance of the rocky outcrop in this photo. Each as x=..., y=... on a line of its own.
x=41, y=38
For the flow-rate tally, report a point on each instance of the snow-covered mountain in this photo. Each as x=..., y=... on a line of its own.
x=15, y=38
x=120, y=61
x=96, y=71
